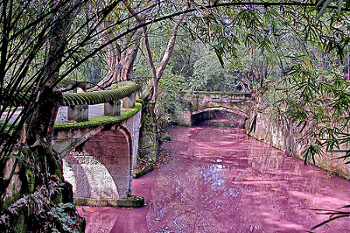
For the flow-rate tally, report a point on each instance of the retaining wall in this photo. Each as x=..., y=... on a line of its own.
x=285, y=137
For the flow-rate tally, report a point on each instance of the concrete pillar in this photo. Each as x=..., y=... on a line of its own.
x=112, y=108
x=129, y=102
x=184, y=118
x=78, y=113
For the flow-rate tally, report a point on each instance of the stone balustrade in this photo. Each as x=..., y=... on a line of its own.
x=75, y=106
x=199, y=102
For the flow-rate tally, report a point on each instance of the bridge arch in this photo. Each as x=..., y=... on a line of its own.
x=235, y=110
x=227, y=117
x=100, y=166
x=200, y=102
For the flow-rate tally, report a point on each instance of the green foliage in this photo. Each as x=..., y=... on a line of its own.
x=43, y=43
x=317, y=101
x=148, y=147
x=30, y=180
x=209, y=75
x=21, y=224
x=167, y=138
x=60, y=220
x=170, y=100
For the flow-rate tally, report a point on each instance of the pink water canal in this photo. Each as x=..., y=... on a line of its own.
x=221, y=180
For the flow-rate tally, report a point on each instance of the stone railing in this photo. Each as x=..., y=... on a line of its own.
x=199, y=99
x=78, y=103
x=235, y=94
x=199, y=102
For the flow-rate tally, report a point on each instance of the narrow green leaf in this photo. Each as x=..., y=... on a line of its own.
x=253, y=125
x=303, y=127
x=319, y=3
x=218, y=54
x=329, y=220
x=340, y=4
x=323, y=9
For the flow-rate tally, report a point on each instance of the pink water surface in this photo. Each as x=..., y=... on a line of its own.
x=221, y=180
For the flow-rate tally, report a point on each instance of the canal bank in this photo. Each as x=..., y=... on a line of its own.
x=222, y=180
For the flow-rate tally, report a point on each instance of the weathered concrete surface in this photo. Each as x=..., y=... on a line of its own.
x=285, y=137
x=188, y=117
x=78, y=113
x=112, y=108
x=101, y=168
x=129, y=102
x=15, y=184
x=66, y=140
x=133, y=126
x=91, y=180
x=202, y=102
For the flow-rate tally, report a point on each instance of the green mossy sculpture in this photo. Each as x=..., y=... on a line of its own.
x=100, y=96
x=122, y=90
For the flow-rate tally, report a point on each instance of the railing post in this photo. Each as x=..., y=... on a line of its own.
x=78, y=113
x=112, y=108
x=129, y=102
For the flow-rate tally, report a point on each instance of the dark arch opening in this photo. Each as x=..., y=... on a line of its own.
x=219, y=118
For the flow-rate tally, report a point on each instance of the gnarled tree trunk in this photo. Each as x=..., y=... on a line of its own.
x=150, y=94
x=44, y=171
x=120, y=57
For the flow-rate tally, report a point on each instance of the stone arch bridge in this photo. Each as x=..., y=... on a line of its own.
x=96, y=134
x=201, y=103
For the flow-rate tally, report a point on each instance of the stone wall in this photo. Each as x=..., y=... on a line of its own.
x=284, y=137
x=133, y=125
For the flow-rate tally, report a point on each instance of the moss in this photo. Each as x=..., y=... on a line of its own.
x=30, y=181
x=166, y=138
x=140, y=101
x=144, y=171
x=102, y=120
x=123, y=91
x=132, y=201
x=37, y=159
x=58, y=171
x=11, y=200
x=20, y=224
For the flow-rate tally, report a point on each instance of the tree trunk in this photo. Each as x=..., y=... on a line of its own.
x=41, y=125
x=120, y=57
x=150, y=94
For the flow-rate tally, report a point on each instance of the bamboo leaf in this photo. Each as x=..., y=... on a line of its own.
x=323, y=9
x=218, y=54
x=340, y=4
x=329, y=220
x=253, y=125
x=319, y=3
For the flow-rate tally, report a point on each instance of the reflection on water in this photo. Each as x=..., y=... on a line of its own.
x=221, y=180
